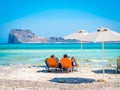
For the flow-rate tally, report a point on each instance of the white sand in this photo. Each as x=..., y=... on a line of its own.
x=24, y=77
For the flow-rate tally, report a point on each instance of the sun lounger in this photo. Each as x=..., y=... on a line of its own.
x=118, y=65
x=51, y=63
x=66, y=64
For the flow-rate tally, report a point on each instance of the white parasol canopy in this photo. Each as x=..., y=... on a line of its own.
x=102, y=35
x=77, y=35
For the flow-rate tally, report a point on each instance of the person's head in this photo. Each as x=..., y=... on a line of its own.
x=65, y=56
x=52, y=56
x=72, y=57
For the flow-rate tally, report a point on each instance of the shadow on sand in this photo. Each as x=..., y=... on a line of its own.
x=108, y=71
x=52, y=71
x=72, y=80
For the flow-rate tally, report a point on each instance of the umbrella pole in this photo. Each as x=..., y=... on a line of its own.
x=103, y=58
x=81, y=50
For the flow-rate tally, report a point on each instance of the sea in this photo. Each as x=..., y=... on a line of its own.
x=35, y=54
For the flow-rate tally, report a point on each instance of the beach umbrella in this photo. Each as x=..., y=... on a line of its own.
x=102, y=35
x=77, y=35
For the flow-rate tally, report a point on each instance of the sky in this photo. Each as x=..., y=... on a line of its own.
x=58, y=18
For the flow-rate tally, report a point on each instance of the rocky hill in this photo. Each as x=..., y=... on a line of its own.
x=25, y=36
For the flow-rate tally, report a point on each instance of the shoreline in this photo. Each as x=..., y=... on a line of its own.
x=26, y=77
x=83, y=63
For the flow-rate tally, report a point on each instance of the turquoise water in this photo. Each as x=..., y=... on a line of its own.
x=36, y=53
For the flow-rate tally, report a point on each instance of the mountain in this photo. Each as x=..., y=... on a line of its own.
x=25, y=36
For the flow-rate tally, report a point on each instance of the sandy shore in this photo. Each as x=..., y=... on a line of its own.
x=26, y=77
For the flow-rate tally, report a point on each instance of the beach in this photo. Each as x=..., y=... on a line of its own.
x=22, y=67
x=36, y=35
x=27, y=77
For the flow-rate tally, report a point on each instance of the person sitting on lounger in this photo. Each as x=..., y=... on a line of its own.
x=52, y=62
x=66, y=63
x=74, y=63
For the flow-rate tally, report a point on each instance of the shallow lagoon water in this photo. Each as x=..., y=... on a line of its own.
x=35, y=54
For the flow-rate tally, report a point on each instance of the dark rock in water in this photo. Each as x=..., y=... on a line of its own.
x=25, y=36
x=62, y=40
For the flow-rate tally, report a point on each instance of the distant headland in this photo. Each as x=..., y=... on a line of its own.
x=27, y=36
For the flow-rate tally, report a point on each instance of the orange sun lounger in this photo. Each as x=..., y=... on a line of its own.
x=66, y=63
x=51, y=63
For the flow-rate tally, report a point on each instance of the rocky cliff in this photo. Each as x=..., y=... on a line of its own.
x=25, y=36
